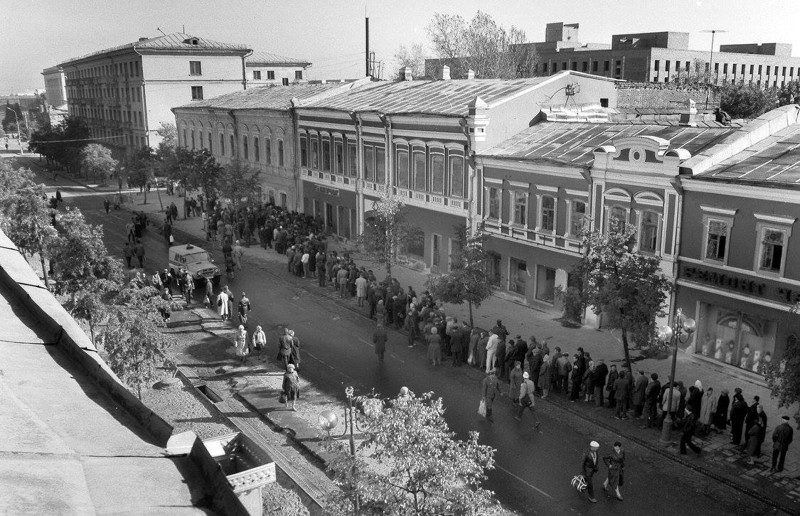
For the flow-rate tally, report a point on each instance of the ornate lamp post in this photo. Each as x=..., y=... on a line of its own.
x=682, y=328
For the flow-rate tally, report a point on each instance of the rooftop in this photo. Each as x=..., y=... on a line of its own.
x=574, y=142
x=177, y=41
x=443, y=97
x=263, y=97
x=774, y=160
x=267, y=58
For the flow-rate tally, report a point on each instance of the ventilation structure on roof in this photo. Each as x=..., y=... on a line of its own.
x=191, y=41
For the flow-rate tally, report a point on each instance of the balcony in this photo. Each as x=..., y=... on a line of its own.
x=545, y=239
x=327, y=179
x=432, y=201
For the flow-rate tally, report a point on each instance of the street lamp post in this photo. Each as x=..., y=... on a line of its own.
x=682, y=328
x=349, y=393
x=711, y=59
x=19, y=129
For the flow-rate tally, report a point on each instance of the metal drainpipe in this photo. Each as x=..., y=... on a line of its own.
x=472, y=162
x=296, y=153
x=359, y=173
x=244, y=68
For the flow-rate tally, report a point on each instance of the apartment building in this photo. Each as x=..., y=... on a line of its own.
x=125, y=93
x=265, y=68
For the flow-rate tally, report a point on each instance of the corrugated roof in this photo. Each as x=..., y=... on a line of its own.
x=774, y=160
x=174, y=41
x=265, y=97
x=425, y=97
x=574, y=142
x=268, y=58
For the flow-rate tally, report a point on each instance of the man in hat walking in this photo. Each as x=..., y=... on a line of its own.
x=590, y=468
x=781, y=439
x=489, y=389
x=526, y=391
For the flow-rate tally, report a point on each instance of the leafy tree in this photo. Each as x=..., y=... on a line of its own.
x=98, y=162
x=623, y=284
x=783, y=377
x=412, y=56
x=481, y=45
x=386, y=230
x=745, y=101
x=139, y=169
x=237, y=181
x=468, y=279
x=789, y=93
x=410, y=462
x=196, y=169
x=24, y=213
x=63, y=143
x=10, y=122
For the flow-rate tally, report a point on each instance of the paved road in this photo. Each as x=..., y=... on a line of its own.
x=533, y=467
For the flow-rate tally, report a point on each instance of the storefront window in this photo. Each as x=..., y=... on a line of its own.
x=735, y=338
x=545, y=283
x=518, y=277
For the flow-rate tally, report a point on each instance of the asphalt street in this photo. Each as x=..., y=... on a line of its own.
x=533, y=467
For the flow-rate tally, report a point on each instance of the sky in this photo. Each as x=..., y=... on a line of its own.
x=330, y=34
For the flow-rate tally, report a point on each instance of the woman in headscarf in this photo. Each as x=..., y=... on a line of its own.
x=290, y=387
x=241, y=344
x=434, y=347
x=259, y=340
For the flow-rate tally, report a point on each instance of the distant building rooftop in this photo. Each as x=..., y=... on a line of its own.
x=264, y=97
x=267, y=59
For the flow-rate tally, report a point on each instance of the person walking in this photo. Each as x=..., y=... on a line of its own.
x=379, y=339
x=762, y=430
x=188, y=287
x=515, y=380
x=237, y=253
x=127, y=252
x=457, y=343
x=615, y=462
x=361, y=290
x=107, y=205
x=490, y=388
x=621, y=393
x=138, y=250
x=737, y=417
x=434, y=347
x=241, y=344
x=589, y=468
x=285, y=349
x=689, y=426
x=259, y=340
x=613, y=376
x=781, y=439
x=526, y=401
x=244, y=308
x=222, y=304
x=290, y=387
x=294, y=357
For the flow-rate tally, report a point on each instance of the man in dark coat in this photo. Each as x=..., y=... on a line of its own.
x=599, y=381
x=621, y=394
x=737, y=417
x=490, y=387
x=589, y=468
x=580, y=369
x=752, y=415
x=285, y=345
x=651, y=395
x=535, y=359
x=781, y=439
x=138, y=251
x=689, y=426
x=457, y=344
x=379, y=339
x=639, y=389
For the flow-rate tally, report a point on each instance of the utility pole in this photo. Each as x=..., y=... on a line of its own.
x=711, y=60
x=366, y=54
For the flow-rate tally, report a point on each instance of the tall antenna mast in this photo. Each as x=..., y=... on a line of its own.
x=711, y=58
x=366, y=54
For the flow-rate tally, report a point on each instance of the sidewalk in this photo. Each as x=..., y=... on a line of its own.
x=720, y=460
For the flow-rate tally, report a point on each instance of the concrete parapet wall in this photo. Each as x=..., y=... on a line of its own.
x=659, y=95
x=18, y=279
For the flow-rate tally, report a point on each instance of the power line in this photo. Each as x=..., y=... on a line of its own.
x=77, y=140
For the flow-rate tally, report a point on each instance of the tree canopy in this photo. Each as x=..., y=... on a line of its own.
x=745, y=101
x=468, y=280
x=98, y=162
x=412, y=56
x=63, y=143
x=481, y=45
x=386, y=230
x=410, y=462
x=625, y=285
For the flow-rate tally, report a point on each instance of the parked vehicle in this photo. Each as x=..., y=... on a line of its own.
x=194, y=259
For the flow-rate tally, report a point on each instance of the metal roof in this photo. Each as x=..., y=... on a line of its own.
x=267, y=58
x=264, y=97
x=169, y=42
x=574, y=142
x=449, y=97
x=774, y=160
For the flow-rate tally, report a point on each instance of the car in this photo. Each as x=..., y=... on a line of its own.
x=194, y=259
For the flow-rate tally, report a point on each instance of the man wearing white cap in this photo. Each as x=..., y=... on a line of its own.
x=590, y=468
x=526, y=391
x=781, y=439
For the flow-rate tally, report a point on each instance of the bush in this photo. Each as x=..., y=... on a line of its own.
x=573, y=304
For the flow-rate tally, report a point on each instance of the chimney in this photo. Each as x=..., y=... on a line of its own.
x=470, y=74
x=406, y=75
x=445, y=73
x=688, y=114
x=143, y=39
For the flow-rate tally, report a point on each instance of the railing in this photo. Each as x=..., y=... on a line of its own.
x=532, y=236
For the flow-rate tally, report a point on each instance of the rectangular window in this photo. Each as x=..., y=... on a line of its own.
x=548, y=213
x=772, y=244
x=666, y=66
x=326, y=155
x=194, y=68
x=256, y=149
x=725, y=68
x=648, y=235
x=656, y=64
x=585, y=66
x=494, y=203
x=768, y=70
x=751, y=69
x=437, y=173
x=280, y=153
x=576, y=218
x=401, y=167
x=520, y=207
x=339, y=157
x=256, y=75
x=314, y=152
x=298, y=75
x=303, y=151
x=457, y=180
x=518, y=277
x=617, y=215
x=380, y=165
x=352, y=159
x=594, y=66
x=544, y=67
x=606, y=66
x=271, y=75
x=369, y=163
x=197, y=93
x=716, y=240
x=759, y=69
x=419, y=171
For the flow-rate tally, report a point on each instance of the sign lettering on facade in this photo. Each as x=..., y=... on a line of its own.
x=327, y=191
x=731, y=282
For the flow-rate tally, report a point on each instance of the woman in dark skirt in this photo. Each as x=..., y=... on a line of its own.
x=720, y=417
x=291, y=387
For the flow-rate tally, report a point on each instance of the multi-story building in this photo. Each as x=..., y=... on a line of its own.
x=416, y=140
x=258, y=127
x=266, y=68
x=125, y=93
x=55, y=86
x=737, y=276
